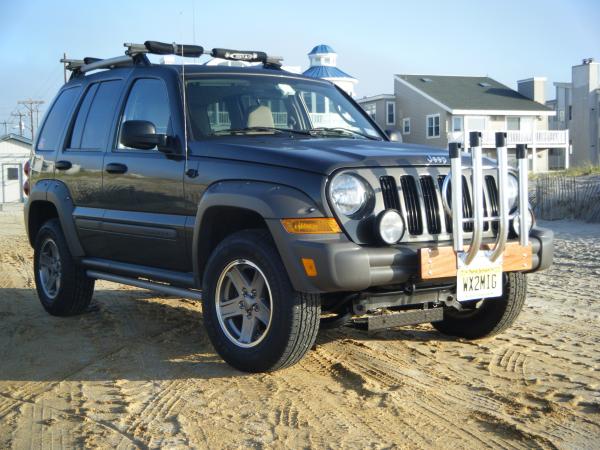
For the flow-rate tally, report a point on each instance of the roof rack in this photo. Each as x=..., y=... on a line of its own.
x=136, y=54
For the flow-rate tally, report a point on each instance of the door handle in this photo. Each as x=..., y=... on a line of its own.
x=63, y=165
x=116, y=168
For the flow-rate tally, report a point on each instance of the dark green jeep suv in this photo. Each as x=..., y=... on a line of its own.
x=275, y=200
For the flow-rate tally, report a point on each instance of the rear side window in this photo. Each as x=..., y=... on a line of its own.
x=57, y=120
x=148, y=100
x=94, y=118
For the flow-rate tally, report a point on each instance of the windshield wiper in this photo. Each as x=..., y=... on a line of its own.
x=261, y=129
x=340, y=130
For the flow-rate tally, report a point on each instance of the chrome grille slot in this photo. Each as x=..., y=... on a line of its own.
x=492, y=190
x=389, y=190
x=467, y=205
x=430, y=201
x=447, y=216
x=413, y=207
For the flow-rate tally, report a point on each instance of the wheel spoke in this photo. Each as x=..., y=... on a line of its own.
x=237, y=278
x=258, y=284
x=248, y=327
x=231, y=308
x=45, y=260
x=263, y=313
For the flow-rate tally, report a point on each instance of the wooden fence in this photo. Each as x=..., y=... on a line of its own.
x=561, y=197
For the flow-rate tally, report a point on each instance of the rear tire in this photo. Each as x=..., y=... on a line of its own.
x=493, y=316
x=62, y=285
x=253, y=317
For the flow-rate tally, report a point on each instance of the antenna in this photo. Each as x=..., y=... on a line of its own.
x=185, y=137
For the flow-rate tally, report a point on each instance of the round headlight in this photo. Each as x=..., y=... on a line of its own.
x=528, y=217
x=390, y=226
x=512, y=191
x=348, y=193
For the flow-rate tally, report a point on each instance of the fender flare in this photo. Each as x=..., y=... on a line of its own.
x=269, y=200
x=57, y=193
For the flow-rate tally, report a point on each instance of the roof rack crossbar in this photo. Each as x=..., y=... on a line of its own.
x=136, y=53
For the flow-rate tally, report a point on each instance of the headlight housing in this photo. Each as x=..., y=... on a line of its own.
x=349, y=193
x=512, y=191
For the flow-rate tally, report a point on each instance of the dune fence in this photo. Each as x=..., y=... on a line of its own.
x=557, y=197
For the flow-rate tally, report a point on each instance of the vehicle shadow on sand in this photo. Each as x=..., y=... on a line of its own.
x=125, y=334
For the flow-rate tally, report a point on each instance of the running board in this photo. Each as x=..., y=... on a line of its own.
x=400, y=319
x=152, y=286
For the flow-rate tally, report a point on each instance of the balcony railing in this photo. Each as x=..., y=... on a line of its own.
x=538, y=139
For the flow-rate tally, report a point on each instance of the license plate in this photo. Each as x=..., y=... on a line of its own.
x=480, y=279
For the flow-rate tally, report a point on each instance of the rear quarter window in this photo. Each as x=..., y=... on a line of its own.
x=57, y=120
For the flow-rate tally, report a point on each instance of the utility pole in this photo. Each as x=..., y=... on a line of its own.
x=5, y=123
x=32, y=107
x=20, y=115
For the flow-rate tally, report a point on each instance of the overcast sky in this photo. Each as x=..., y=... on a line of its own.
x=507, y=40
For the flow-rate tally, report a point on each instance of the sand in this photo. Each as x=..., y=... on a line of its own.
x=137, y=371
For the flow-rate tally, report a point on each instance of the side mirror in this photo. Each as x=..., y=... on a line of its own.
x=141, y=134
x=395, y=136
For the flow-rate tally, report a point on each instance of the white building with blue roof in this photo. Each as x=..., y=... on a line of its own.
x=323, y=64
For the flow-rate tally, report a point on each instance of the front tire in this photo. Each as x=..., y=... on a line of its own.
x=253, y=317
x=491, y=317
x=62, y=285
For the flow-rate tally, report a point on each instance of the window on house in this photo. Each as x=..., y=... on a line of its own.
x=12, y=173
x=406, y=125
x=513, y=123
x=433, y=126
x=370, y=109
x=457, y=124
x=390, y=113
x=570, y=112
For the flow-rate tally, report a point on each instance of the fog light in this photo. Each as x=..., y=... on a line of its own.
x=390, y=226
x=530, y=222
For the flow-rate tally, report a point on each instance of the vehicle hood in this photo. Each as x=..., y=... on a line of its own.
x=320, y=155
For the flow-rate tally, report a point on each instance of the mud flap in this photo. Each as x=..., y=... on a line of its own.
x=399, y=319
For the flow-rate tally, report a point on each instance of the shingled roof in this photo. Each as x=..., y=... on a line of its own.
x=471, y=93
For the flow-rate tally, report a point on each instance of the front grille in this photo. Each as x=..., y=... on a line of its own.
x=432, y=209
x=413, y=206
x=418, y=198
x=389, y=190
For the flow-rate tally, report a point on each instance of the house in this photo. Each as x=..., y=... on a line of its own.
x=14, y=152
x=577, y=107
x=435, y=110
x=323, y=64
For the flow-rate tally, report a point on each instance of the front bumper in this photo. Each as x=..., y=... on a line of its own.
x=345, y=266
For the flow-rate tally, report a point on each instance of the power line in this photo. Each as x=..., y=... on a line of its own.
x=32, y=107
x=5, y=123
x=20, y=115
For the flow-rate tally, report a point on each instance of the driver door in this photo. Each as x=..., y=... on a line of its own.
x=143, y=189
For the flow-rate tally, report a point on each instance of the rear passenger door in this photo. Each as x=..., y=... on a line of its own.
x=143, y=189
x=79, y=163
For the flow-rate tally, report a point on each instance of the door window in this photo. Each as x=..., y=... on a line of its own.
x=148, y=100
x=95, y=116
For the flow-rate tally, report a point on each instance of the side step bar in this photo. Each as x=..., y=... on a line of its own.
x=400, y=319
x=150, y=285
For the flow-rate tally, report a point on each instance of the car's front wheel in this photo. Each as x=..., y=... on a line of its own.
x=253, y=316
x=487, y=317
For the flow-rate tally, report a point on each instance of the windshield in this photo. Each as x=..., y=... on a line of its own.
x=232, y=105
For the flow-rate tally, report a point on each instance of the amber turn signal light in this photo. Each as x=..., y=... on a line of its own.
x=314, y=225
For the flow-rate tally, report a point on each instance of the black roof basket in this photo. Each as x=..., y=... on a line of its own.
x=136, y=54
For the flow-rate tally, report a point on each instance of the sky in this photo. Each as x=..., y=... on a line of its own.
x=507, y=40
